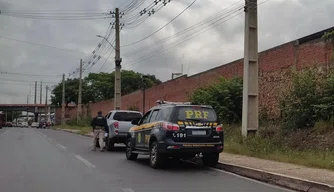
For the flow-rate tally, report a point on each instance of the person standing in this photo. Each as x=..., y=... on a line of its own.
x=100, y=126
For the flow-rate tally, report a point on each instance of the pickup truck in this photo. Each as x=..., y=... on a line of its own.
x=119, y=123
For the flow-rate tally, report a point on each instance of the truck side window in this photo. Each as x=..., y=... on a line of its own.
x=154, y=115
x=145, y=118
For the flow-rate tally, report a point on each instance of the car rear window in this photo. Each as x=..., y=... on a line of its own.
x=196, y=113
x=126, y=116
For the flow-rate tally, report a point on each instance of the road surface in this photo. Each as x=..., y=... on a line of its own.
x=36, y=160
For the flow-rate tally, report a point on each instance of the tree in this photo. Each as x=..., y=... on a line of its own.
x=225, y=97
x=100, y=86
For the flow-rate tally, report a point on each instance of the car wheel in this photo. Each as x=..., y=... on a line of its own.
x=210, y=159
x=110, y=144
x=129, y=151
x=156, y=158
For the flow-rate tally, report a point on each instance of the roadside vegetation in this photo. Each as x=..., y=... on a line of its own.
x=303, y=134
x=81, y=126
x=100, y=86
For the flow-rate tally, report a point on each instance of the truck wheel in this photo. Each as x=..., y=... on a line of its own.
x=210, y=159
x=110, y=144
x=129, y=151
x=157, y=159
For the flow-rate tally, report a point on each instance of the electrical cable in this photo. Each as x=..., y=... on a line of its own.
x=161, y=27
x=200, y=32
x=32, y=43
x=148, y=57
x=25, y=74
x=19, y=80
x=106, y=60
x=208, y=21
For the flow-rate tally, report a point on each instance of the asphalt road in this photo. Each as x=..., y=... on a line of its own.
x=36, y=160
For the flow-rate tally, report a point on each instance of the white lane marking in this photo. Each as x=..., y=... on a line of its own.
x=4, y=133
x=253, y=180
x=46, y=137
x=84, y=161
x=61, y=146
x=128, y=190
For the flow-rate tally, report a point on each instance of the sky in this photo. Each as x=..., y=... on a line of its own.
x=42, y=39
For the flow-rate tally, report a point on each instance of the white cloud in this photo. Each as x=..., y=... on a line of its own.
x=279, y=21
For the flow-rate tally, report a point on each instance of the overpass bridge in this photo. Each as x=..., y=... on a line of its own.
x=33, y=108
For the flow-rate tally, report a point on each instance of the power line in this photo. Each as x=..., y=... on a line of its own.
x=42, y=45
x=43, y=17
x=161, y=27
x=25, y=74
x=139, y=20
x=105, y=61
x=94, y=58
x=148, y=57
x=148, y=11
x=19, y=80
x=53, y=10
x=209, y=21
x=201, y=32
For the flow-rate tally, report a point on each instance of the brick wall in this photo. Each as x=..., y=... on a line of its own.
x=275, y=69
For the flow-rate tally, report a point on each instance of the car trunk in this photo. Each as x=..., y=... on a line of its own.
x=197, y=125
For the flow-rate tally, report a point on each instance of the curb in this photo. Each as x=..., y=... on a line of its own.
x=276, y=179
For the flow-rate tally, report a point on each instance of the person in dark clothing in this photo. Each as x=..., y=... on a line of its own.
x=100, y=126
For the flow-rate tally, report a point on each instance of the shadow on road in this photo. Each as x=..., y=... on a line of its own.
x=172, y=165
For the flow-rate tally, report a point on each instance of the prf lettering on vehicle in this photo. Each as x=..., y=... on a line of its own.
x=196, y=114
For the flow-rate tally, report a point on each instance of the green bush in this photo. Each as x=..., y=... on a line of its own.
x=325, y=108
x=84, y=122
x=298, y=105
x=225, y=97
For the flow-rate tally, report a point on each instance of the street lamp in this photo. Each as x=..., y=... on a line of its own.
x=106, y=40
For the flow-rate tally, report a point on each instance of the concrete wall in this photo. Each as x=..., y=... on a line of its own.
x=276, y=66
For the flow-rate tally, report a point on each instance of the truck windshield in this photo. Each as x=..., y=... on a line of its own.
x=126, y=116
x=196, y=113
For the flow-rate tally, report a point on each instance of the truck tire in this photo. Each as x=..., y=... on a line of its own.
x=129, y=150
x=157, y=159
x=210, y=159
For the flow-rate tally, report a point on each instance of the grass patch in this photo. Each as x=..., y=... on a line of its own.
x=272, y=144
x=81, y=129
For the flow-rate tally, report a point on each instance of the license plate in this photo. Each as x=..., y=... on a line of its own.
x=199, y=132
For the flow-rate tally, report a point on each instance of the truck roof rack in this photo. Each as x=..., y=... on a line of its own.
x=160, y=102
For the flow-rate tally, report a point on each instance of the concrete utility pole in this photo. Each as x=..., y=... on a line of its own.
x=250, y=108
x=63, y=103
x=26, y=111
x=118, y=60
x=40, y=94
x=35, y=92
x=46, y=104
x=35, y=114
x=79, y=110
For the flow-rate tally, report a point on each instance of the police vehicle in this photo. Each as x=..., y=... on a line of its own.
x=178, y=130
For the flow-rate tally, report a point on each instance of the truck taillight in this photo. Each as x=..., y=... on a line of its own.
x=219, y=128
x=171, y=127
x=116, y=125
